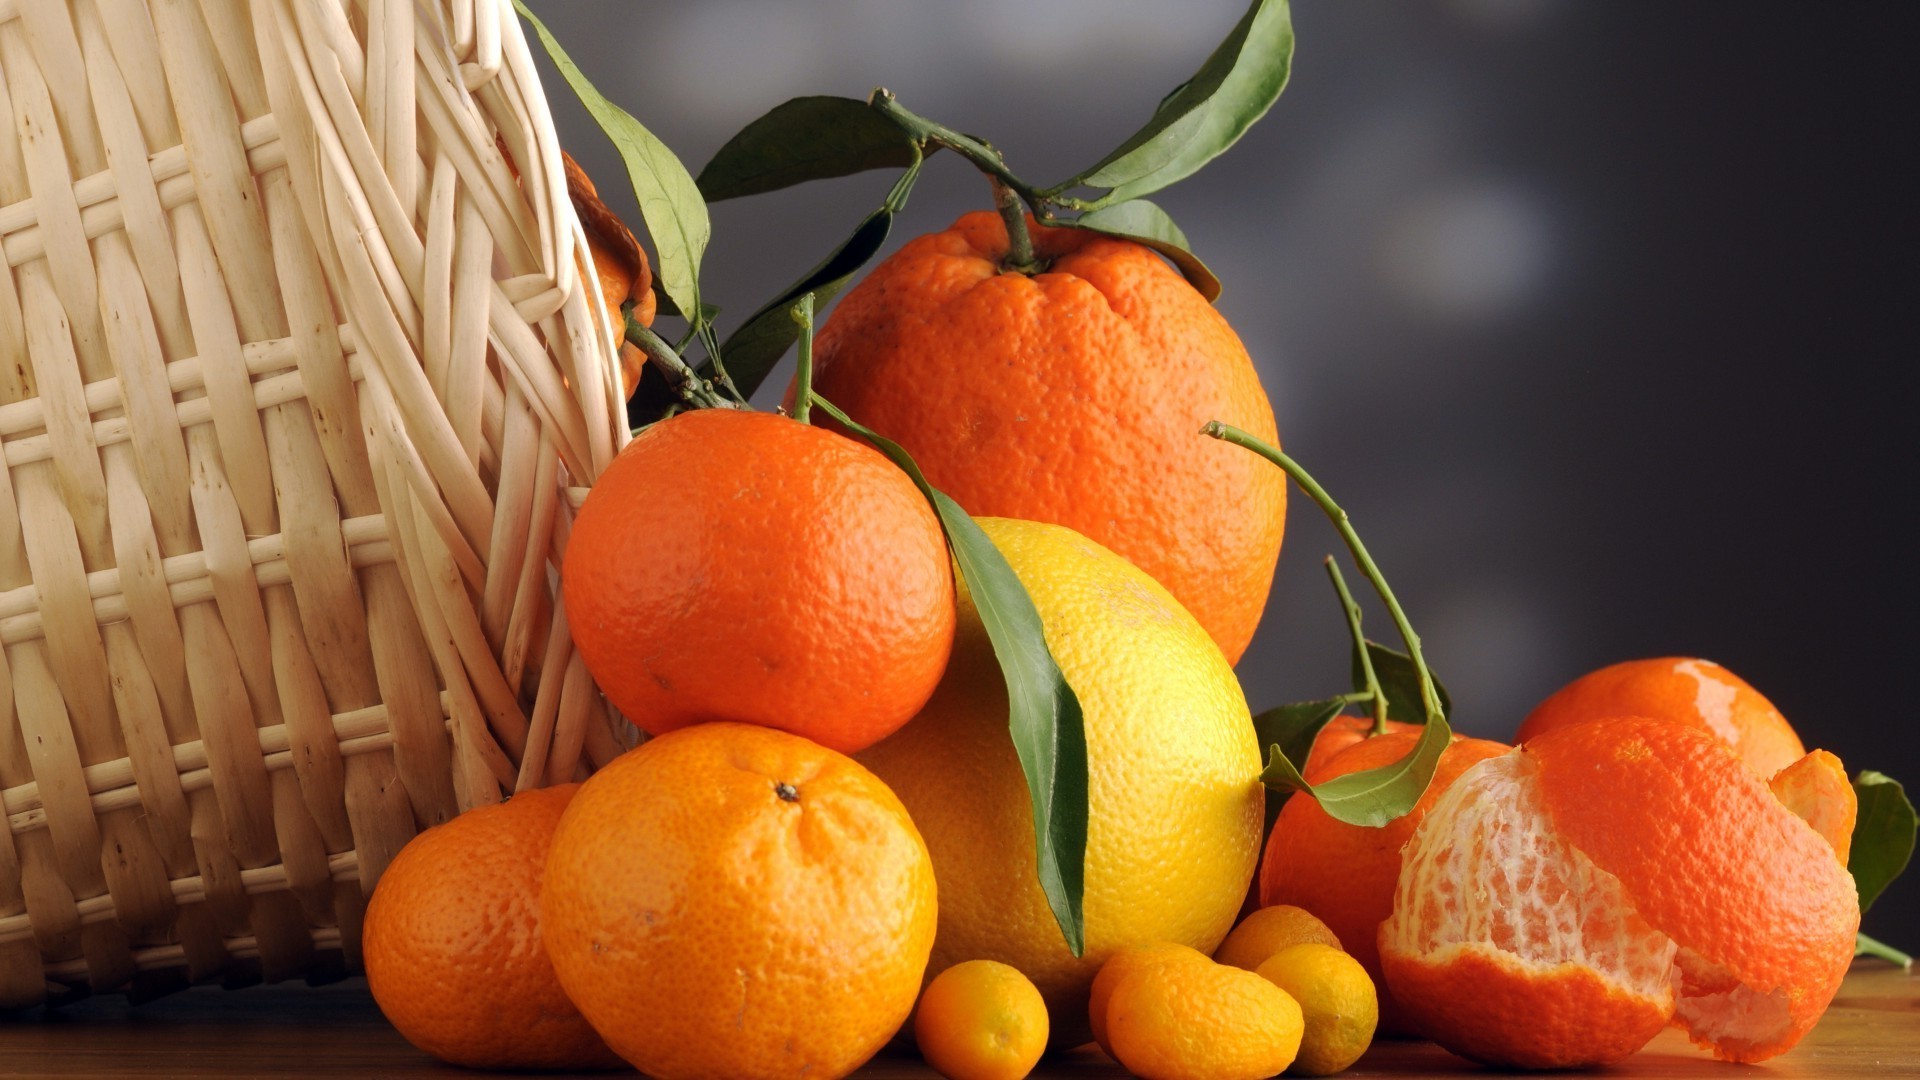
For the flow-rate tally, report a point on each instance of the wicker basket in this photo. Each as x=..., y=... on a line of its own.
x=303, y=381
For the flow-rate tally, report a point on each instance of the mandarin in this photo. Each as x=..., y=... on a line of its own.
x=452, y=943
x=1345, y=874
x=1174, y=802
x=730, y=900
x=1684, y=689
x=734, y=565
x=1562, y=902
x=1073, y=396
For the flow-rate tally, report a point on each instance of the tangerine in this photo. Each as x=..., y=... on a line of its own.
x=735, y=565
x=1562, y=902
x=1345, y=874
x=452, y=945
x=1073, y=396
x=730, y=900
x=1688, y=690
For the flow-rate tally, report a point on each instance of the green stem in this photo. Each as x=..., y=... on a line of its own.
x=692, y=389
x=1020, y=257
x=803, y=377
x=1360, y=647
x=1430, y=698
x=1044, y=204
x=1866, y=946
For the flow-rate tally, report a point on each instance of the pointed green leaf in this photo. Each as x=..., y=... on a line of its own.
x=1291, y=729
x=1048, y=731
x=675, y=214
x=1206, y=114
x=1883, y=834
x=752, y=351
x=1145, y=223
x=808, y=138
x=1400, y=682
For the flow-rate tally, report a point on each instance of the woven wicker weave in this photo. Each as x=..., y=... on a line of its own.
x=302, y=382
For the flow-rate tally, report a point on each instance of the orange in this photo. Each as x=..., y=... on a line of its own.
x=1691, y=691
x=1174, y=802
x=1267, y=931
x=1818, y=792
x=981, y=1020
x=1074, y=396
x=1122, y=964
x=452, y=943
x=734, y=565
x=1345, y=874
x=730, y=900
x=1202, y=1021
x=1342, y=732
x=1560, y=903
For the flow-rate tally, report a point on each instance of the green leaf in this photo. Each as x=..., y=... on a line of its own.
x=1145, y=223
x=675, y=214
x=1401, y=683
x=1048, y=731
x=1206, y=114
x=1371, y=797
x=1291, y=729
x=808, y=138
x=760, y=342
x=1883, y=834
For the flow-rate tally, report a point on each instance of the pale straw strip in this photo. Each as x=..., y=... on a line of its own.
x=532, y=602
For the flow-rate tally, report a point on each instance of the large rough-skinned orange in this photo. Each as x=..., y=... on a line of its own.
x=1345, y=874
x=1620, y=871
x=734, y=565
x=1684, y=689
x=1073, y=396
x=732, y=901
x=452, y=943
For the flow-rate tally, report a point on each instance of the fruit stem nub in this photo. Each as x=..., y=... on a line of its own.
x=786, y=791
x=1020, y=257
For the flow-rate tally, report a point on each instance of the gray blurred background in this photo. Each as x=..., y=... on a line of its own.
x=1597, y=317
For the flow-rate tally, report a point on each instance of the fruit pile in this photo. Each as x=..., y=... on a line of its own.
x=987, y=785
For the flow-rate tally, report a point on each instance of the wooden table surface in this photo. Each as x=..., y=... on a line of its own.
x=1873, y=1029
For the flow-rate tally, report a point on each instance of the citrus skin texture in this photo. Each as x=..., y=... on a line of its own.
x=1700, y=693
x=1345, y=874
x=1336, y=999
x=1202, y=1022
x=732, y=901
x=1075, y=396
x=1122, y=964
x=1561, y=903
x=1267, y=931
x=734, y=565
x=981, y=1020
x=1175, y=802
x=452, y=943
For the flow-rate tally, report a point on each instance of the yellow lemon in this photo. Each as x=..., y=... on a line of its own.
x=981, y=1020
x=1337, y=999
x=1174, y=796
